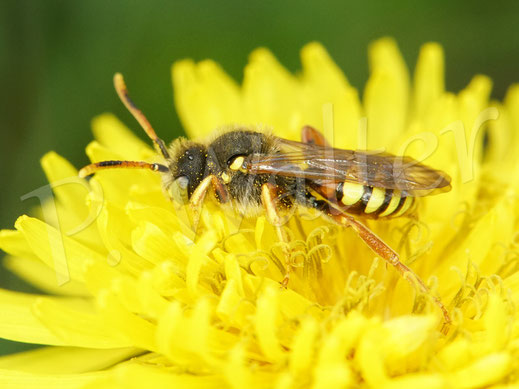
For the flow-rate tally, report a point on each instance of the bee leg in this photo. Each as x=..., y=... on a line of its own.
x=387, y=253
x=222, y=195
x=197, y=198
x=312, y=136
x=268, y=194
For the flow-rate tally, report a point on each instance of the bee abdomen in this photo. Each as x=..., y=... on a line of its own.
x=372, y=201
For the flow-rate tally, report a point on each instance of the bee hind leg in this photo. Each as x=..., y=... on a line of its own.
x=268, y=194
x=312, y=136
x=388, y=254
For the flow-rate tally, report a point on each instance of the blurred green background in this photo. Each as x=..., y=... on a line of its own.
x=57, y=59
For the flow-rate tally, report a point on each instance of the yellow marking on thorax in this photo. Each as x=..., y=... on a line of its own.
x=225, y=177
x=376, y=200
x=351, y=193
x=395, y=199
x=407, y=204
x=237, y=164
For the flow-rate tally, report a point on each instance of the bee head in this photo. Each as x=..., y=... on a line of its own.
x=187, y=166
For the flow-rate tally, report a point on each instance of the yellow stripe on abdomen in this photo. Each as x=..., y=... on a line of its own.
x=376, y=200
x=405, y=207
x=393, y=204
x=372, y=201
x=351, y=193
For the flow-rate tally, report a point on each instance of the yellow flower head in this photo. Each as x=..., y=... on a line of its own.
x=136, y=298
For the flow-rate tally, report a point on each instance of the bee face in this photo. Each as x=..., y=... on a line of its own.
x=188, y=165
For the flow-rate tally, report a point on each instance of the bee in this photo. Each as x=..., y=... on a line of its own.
x=254, y=172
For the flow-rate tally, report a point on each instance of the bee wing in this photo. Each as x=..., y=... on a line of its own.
x=324, y=165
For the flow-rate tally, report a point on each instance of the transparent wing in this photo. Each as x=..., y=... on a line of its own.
x=326, y=165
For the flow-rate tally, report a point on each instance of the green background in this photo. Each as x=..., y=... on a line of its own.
x=57, y=59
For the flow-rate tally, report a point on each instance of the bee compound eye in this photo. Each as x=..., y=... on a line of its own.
x=182, y=182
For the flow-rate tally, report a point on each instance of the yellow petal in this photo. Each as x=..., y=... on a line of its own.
x=78, y=326
x=417, y=380
x=386, y=95
x=151, y=243
x=65, y=360
x=134, y=329
x=12, y=379
x=428, y=78
x=206, y=98
x=455, y=354
x=150, y=297
x=266, y=325
x=165, y=219
x=370, y=358
x=13, y=242
x=500, y=136
x=303, y=346
x=233, y=272
x=72, y=194
x=485, y=371
x=325, y=84
x=19, y=322
x=136, y=375
x=494, y=227
x=236, y=371
x=43, y=277
x=512, y=107
x=269, y=95
x=114, y=135
x=406, y=342
x=332, y=369
x=197, y=260
x=497, y=324
x=186, y=337
x=59, y=252
x=330, y=376
x=116, y=235
x=233, y=308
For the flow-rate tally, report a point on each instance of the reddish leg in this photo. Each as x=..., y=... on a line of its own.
x=268, y=194
x=387, y=253
x=312, y=136
x=198, y=196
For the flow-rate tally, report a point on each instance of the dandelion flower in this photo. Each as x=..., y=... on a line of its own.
x=135, y=298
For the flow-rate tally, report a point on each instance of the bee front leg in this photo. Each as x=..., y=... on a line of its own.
x=197, y=197
x=220, y=190
x=387, y=253
x=268, y=194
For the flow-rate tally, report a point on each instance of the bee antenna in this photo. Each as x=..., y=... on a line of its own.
x=122, y=91
x=94, y=167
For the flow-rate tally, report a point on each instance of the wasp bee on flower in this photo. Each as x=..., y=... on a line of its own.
x=251, y=170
